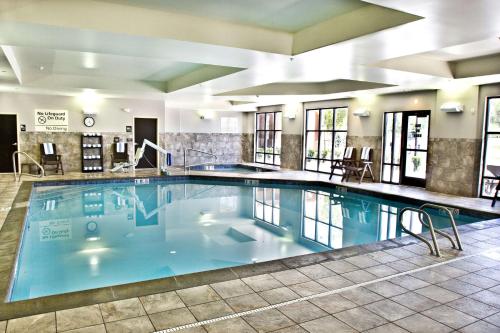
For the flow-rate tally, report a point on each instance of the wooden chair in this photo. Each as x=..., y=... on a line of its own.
x=346, y=160
x=119, y=153
x=49, y=156
x=360, y=167
x=495, y=170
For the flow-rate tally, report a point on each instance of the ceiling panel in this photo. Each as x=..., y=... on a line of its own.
x=283, y=15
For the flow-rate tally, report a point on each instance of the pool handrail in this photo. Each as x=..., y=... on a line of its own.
x=20, y=168
x=187, y=167
x=458, y=244
x=434, y=249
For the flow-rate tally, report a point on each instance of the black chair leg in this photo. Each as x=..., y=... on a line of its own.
x=495, y=196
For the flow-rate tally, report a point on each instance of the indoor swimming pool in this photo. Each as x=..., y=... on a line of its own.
x=80, y=236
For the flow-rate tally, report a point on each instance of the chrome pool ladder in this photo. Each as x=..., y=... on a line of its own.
x=426, y=220
x=16, y=174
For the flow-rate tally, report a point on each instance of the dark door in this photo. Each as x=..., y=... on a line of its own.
x=8, y=141
x=145, y=128
x=415, y=135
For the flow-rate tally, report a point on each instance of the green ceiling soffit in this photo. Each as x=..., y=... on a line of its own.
x=306, y=88
x=360, y=22
x=197, y=76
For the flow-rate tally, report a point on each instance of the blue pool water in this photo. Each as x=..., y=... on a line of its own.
x=79, y=237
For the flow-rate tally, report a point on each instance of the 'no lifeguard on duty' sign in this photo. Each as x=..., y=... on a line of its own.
x=51, y=120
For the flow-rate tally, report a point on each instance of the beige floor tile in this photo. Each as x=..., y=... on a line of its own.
x=161, y=302
x=210, y=310
x=89, y=329
x=302, y=311
x=246, y=302
x=198, y=295
x=236, y=325
x=132, y=325
x=172, y=318
x=327, y=324
x=267, y=321
x=124, y=309
x=42, y=323
x=79, y=317
x=231, y=288
x=262, y=282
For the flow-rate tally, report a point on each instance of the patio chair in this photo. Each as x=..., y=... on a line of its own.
x=360, y=167
x=346, y=160
x=119, y=153
x=49, y=156
x=495, y=170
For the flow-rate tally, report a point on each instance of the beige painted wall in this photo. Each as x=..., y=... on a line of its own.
x=443, y=125
x=110, y=117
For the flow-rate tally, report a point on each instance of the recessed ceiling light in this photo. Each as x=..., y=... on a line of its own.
x=42, y=68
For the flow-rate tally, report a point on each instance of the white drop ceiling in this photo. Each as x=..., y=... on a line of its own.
x=197, y=53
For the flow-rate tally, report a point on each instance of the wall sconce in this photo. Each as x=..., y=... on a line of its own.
x=206, y=114
x=452, y=107
x=361, y=112
x=291, y=110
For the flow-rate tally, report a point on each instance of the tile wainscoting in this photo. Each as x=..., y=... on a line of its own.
x=227, y=146
x=291, y=151
x=375, y=142
x=68, y=145
x=247, y=145
x=453, y=166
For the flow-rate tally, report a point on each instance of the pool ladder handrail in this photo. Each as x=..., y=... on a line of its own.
x=21, y=171
x=423, y=215
x=187, y=167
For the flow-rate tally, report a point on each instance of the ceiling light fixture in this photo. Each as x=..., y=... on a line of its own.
x=42, y=68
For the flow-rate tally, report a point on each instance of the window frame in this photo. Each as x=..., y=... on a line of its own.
x=320, y=131
x=486, y=133
x=265, y=131
x=316, y=219
x=273, y=206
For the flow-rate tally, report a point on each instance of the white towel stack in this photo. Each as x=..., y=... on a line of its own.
x=120, y=147
x=348, y=152
x=48, y=148
x=365, y=153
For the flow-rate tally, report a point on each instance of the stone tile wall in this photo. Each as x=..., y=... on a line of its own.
x=291, y=151
x=227, y=146
x=453, y=166
x=68, y=145
x=375, y=142
x=247, y=147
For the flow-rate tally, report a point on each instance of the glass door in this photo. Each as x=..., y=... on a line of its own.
x=391, y=154
x=491, y=146
x=415, y=147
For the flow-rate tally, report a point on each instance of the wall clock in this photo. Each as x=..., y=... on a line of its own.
x=88, y=121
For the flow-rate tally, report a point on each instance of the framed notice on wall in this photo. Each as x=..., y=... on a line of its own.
x=51, y=120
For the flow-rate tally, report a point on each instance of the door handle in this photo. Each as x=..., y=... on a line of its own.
x=14, y=144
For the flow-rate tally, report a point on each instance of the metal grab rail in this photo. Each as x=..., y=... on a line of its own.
x=458, y=245
x=20, y=171
x=186, y=167
x=435, y=249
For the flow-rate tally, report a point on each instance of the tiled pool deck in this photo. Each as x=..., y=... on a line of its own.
x=391, y=286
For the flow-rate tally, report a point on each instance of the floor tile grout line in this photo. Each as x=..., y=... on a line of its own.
x=326, y=293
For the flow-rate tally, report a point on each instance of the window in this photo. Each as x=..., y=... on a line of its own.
x=326, y=136
x=491, y=146
x=268, y=138
x=229, y=125
x=391, y=160
x=323, y=219
x=267, y=205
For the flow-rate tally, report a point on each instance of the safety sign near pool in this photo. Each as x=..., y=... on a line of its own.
x=51, y=120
